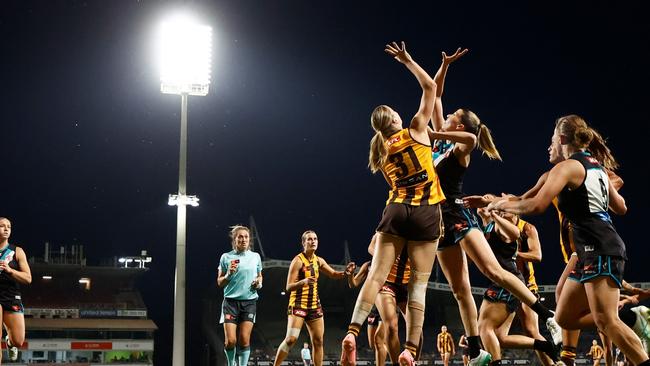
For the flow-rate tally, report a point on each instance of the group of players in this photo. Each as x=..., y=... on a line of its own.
x=427, y=216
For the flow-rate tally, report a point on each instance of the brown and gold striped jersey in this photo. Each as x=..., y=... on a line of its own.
x=306, y=297
x=525, y=267
x=400, y=272
x=596, y=351
x=409, y=172
x=445, y=342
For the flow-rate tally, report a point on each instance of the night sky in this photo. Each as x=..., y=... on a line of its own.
x=90, y=145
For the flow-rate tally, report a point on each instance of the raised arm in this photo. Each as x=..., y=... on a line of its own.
x=357, y=279
x=421, y=118
x=22, y=274
x=438, y=116
x=505, y=228
x=534, y=253
x=332, y=273
x=460, y=137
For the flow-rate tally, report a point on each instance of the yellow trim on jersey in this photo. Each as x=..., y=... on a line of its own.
x=409, y=171
x=306, y=297
x=529, y=274
x=566, y=233
x=445, y=342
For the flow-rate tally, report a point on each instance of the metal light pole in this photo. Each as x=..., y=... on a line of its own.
x=178, y=352
x=185, y=55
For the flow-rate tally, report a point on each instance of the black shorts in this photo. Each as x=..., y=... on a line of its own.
x=399, y=292
x=496, y=293
x=601, y=265
x=458, y=221
x=307, y=314
x=12, y=305
x=415, y=223
x=237, y=311
x=374, y=318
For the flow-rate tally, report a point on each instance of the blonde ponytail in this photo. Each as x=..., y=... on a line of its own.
x=380, y=120
x=378, y=152
x=483, y=135
x=486, y=143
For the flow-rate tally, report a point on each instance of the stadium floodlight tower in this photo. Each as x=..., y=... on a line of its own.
x=185, y=52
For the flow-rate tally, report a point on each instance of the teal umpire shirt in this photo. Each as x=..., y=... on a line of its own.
x=249, y=266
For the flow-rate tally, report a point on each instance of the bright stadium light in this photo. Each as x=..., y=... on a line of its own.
x=126, y=261
x=175, y=200
x=185, y=59
x=47, y=277
x=185, y=56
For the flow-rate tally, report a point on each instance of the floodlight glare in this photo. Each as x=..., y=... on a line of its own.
x=182, y=199
x=184, y=53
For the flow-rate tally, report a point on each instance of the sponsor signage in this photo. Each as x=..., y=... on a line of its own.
x=91, y=345
x=133, y=345
x=98, y=313
x=62, y=345
x=52, y=313
x=132, y=313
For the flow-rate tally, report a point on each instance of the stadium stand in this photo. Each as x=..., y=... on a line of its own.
x=76, y=314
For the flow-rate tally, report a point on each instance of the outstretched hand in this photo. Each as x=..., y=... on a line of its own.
x=398, y=52
x=476, y=201
x=458, y=54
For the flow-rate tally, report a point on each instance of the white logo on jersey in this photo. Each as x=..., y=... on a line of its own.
x=589, y=248
x=597, y=184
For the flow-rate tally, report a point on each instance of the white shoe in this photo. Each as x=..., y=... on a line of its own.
x=555, y=330
x=642, y=325
x=12, y=351
x=483, y=359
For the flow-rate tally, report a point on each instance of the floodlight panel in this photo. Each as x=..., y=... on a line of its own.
x=185, y=56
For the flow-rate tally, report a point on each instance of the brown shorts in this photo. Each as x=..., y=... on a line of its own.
x=414, y=223
x=399, y=292
x=307, y=314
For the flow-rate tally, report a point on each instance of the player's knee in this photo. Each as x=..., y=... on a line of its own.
x=391, y=327
x=496, y=274
x=230, y=343
x=485, y=327
x=460, y=291
x=417, y=289
x=317, y=342
x=603, y=321
x=290, y=340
